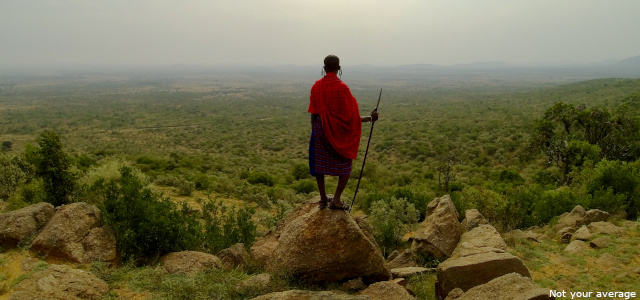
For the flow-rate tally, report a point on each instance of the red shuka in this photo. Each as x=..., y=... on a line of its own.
x=331, y=99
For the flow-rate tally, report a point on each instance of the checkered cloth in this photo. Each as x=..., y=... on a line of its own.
x=323, y=159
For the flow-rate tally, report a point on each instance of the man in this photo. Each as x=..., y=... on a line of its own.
x=336, y=128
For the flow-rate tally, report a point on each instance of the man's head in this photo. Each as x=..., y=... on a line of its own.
x=331, y=63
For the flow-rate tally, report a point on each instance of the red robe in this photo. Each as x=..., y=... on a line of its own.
x=331, y=99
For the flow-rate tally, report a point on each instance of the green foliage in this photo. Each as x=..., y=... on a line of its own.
x=614, y=186
x=388, y=219
x=300, y=171
x=225, y=226
x=11, y=177
x=147, y=227
x=52, y=165
x=305, y=186
x=261, y=178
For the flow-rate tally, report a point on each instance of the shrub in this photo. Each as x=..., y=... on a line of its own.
x=300, y=171
x=145, y=226
x=11, y=176
x=305, y=186
x=227, y=226
x=261, y=178
x=388, y=219
x=614, y=186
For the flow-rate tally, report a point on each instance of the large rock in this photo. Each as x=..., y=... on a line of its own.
x=480, y=257
x=574, y=219
x=387, y=290
x=322, y=245
x=605, y=228
x=18, y=225
x=309, y=295
x=60, y=282
x=190, y=262
x=512, y=286
x=576, y=246
x=257, y=283
x=438, y=235
x=595, y=215
x=474, y=219
x=75, y=232
x=582, y=234
x=234, y=256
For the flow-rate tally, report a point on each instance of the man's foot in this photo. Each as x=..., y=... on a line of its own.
x=341, y=205
x=323, y=204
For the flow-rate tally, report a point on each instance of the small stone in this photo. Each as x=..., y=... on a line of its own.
x=601, y=242
x=582, y=234
x=576, y=246
x=354, y=284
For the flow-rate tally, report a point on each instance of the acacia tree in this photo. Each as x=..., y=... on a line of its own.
x=570, y=136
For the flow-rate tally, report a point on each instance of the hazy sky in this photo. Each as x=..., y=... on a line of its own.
x=302, y=32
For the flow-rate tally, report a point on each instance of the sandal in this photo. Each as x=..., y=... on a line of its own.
x=322, y=205
x=341, y=206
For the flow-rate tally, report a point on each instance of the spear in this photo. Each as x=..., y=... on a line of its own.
x=365, y=154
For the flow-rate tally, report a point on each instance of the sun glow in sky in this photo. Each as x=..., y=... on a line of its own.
x=275, y=32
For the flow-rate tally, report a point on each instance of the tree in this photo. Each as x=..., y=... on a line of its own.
x=7, y=145
x=570, y=136
x=52, y=165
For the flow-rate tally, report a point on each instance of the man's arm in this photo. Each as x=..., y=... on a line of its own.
x=372, y=118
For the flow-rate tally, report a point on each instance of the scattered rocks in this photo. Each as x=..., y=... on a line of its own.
x=18, y=225
x=410, y=271
x=438, y=235
x=565, y=234
x=60, y=282
x=600, y=242
x=576, y=246
x=519, y=234
x=234, y=256
x=189, y=262
x=310, y=295
x=484, y=238
x=322, y=245
x=405, y=259
x=506, y=287
x=474, y=219
x=387, y=290
x=582, y=234
x=605, y=228
x=354, y=284
x=574, y=219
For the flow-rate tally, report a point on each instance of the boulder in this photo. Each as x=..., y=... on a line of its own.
x=480, y=257
x=190, y=262
x=322, y=245
x=234, y=256
x=310, y=295
x=438, y=235
x=576, y=246
x=600, y=242
x=75, y=232
x=387, y=290
x=393, y=255
x=574, y=219
x=565, y=234
x=258, y=282
x=405, y=259
x=18, y=225
x=595, y=215
x=410, y=271
x=60, y=282
x=582, y=234
x=511, y=286
x=605, y=228
x=474, y=219
x=519, y=234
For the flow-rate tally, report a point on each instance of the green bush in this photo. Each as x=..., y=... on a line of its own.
x=261, y=178
x=305, y=186
x=11, y=177
x=145, y=226
x=388, y=219
x=615, y=186
x=300, y=171
x=227, y=226
x=52, y=165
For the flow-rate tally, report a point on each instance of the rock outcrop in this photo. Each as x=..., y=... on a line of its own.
x=438, y=235
x=18, y=225
x=322, y=245
x=574, y=219
x=190, y=262
x=404, y=259
x=473, y=219
x=480, y=257
x=60, y=282
x=512, y=286
x=605, y=228
x=75, y=232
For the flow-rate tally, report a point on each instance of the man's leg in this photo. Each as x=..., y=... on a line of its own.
x=323, y=194
x=342, y=183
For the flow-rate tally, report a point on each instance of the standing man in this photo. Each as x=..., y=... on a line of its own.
x=336, y=129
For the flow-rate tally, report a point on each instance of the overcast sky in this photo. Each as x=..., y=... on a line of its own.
x=302, y=32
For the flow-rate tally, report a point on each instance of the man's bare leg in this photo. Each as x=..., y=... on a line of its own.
x=342, y=183
x=323, y=194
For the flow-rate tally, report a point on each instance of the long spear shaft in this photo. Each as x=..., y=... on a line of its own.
x=365, y=154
